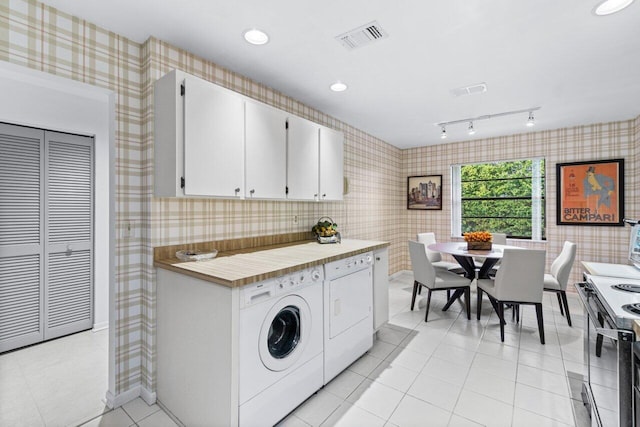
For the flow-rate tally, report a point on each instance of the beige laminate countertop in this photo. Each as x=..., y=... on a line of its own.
x=245, y=268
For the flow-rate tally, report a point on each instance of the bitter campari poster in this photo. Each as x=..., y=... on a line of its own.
x=590, y=193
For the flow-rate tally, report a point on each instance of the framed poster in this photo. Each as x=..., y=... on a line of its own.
x=424, y=192
x=590, y=193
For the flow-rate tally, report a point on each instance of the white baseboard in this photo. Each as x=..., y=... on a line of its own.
x=115, y=401
x=147, y=396
x=398, y=273
x=100, y=326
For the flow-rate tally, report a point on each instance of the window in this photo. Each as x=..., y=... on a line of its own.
x=500, y=197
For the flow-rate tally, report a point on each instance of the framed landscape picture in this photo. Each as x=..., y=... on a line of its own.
x=590, y=193
x=424, y=192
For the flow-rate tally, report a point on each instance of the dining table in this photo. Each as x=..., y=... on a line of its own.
x=466, y=259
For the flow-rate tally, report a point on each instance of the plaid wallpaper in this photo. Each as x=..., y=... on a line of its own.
x=581, y=143
x=42, y=38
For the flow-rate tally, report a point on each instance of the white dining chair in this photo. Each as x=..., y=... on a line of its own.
x=424, y=274
x=434, y=256
x=496, y=239
x=518, y=281
x=557, y=280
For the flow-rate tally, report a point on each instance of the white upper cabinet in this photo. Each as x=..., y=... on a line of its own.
x=199, y=138
x=303, y=162
x=265, y=152
x=212, y=142
x=213, y=149
x=331, y=164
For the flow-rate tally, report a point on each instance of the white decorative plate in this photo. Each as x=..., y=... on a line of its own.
x=196, y=255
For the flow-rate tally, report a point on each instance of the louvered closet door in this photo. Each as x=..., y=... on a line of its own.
x=21, y=225
x=68, y=289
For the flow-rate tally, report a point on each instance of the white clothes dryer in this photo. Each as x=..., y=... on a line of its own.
x=280, y=346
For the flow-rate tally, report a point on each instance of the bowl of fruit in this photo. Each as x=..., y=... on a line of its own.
x=326, y=231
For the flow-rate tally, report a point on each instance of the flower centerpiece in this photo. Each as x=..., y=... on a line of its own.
x=478, y=240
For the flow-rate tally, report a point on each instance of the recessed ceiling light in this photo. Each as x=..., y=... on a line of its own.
x=338, y=87
x=608, y=7
x=255, y=36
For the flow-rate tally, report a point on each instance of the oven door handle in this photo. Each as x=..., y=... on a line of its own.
x=614, y=334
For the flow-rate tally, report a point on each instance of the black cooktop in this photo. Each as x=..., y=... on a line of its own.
x=627, y=287
x=632, y=308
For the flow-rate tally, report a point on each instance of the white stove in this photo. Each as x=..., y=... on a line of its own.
x=615, y=294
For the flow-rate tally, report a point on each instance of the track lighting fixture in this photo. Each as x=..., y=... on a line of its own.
x=531, y=121
x=471, y=129
x=443, y=134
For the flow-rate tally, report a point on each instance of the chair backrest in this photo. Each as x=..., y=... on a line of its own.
x=423, y=271
x=428, y=239
x=499, y=238
x=521, y=275
x=562, y=265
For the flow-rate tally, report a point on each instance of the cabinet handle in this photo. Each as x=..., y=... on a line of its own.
x=377, y=258
x=237, y=190
x=324, y=195
x=251, y=192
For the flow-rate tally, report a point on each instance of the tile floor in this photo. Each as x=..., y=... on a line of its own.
x=454, y=372
x=447, y=372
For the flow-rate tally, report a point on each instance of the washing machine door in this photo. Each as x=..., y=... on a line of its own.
x=284, y=333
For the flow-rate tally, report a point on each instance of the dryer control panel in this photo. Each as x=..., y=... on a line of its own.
x=289, y=283
x=345, y=266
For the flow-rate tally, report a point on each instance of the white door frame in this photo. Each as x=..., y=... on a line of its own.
x=43, y=100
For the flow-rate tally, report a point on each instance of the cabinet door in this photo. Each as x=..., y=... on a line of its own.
x=331, y=164
x=302, y=159
x=213, y=140
x=380, y=288
x=265, y=152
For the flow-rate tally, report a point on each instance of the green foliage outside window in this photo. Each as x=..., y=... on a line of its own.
x=498, y=197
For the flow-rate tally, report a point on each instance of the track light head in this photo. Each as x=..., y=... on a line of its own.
x=531, y=121
x=471, y=130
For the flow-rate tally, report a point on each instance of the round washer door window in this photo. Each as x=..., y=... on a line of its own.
x=284, y=333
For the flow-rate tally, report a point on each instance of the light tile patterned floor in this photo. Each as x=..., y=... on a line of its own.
x=452, y=371
x=449, y=371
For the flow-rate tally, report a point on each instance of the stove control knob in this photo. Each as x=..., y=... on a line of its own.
x=302, y=277
x=369, y=259
x=315, y=275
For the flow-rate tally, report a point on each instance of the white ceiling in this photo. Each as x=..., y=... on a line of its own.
x=557, y=55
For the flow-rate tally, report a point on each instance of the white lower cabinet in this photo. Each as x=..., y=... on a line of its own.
x=380, y=287
x=197, y=350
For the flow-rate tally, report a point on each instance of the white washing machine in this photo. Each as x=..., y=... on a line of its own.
x=280, y=346
x=348, y=315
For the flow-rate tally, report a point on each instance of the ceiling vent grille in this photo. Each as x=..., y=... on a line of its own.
x=362, y=36
x=469, y=90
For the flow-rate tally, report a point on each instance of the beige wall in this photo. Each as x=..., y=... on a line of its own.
x=40, y=37
x=582, y=143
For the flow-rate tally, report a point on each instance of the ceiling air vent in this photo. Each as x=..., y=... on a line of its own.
x=362, y=36
x=469, y=90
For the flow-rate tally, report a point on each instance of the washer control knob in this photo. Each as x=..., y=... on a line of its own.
x=315, y=275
